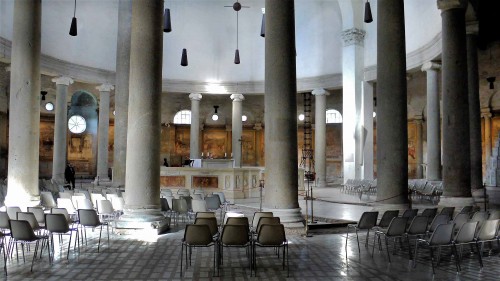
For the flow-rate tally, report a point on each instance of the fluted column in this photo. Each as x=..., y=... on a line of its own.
x=486, y=114
x=194, y=141
x=476, y=164
x=419, y=147
x=320, y=136
x=121, y=91
x=237, y=128
x=142, y=179
x=60, y=128
x=102, y=134
x=456, y=151
x=24, y=106
x=433, y=122
x=392, y=126
x=281, y=113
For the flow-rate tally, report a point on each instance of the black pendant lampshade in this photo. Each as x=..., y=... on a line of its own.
x=43, y=93
x=491, y=80
x=167, y=25
x=263, y=26
x=184, y=58
x=368, y=12
x=237, y=57
x=73, y=30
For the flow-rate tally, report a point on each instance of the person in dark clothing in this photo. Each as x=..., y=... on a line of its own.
x=165, y=163
x=69, y=175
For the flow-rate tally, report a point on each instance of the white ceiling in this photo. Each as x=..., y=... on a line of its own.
x=208, y=30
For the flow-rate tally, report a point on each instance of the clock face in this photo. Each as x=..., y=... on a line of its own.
x=77, y=124
x=49, y=106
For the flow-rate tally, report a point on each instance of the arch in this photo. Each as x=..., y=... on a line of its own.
x=182, y=117
x=83, y=98
x=333, y=116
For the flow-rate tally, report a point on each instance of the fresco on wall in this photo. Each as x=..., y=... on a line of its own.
x=182, y=139
x=80, y=147
x=172, y=181
x=111, y=144
x=46, y=140
x=248, y=147
x=215, y=142
x=334, y=141
x=205, y=182
x=412, y=150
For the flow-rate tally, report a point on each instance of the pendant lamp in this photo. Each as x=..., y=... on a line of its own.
x=73, y=30
x=368, y=12
x=263, y=24
x=184, y=58
x=167, y=25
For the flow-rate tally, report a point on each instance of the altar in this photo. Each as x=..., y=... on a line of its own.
x=213, y=163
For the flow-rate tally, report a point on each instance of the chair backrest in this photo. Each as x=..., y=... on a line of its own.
x=180, y=205
x=211, y=222
x=222, y=197
x=61, y=211
x=29, y=217
x=199, y=205
x=448, y=211
x=466, y=232
x=76, y=197
x=460, y=219
x=67, y=204
x=88, y=217
x=96, y=197
x=118, y=203
x=12, y=212
x=183, y=192
x=410, y=213
x=235, y=235
x=39, y=214
x=205, y=215
x=439, y=219
x=442, y=235
x=22, y=230
x=480, y=216
x=238, y=221
x=494, y=215
x=430, y=213
x=66, y=195
x=47, y=200
x=109, y=196
x=213, y=202
x=4, y=220
x=418, y=225
x=488, y=230
x=188, y=200
x=231, y=215
x=197, y=196
x=104, y=207
x=84, y=203
x=198, y=235
x=387, y=218
x=368, y=220
x=267, y=220
x=164, y=205
x=258, y=215
x=56, y=223
x=466, y=210
x=271, y=235
x=397, y=227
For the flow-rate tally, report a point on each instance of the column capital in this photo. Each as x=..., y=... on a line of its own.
x=237, y=97
x=229, y=128
x=63, y=80
x=257, y=126
x=353, y=36
x=105, y=87
x=445, y=5
x=485, y=112
x=431, y=65
x=472, y=28
x=418, y=119
x=320, y=92
x=195, y=96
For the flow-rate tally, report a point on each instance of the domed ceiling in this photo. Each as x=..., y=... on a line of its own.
x=207, y=29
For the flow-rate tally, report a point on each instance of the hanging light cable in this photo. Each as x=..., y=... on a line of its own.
x=368, y=12
x=73, y=30
x=237, y=52
x=167, y=25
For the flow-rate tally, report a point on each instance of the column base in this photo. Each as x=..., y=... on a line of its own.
x=291, y=218
x=142, y=220
x=22, y=201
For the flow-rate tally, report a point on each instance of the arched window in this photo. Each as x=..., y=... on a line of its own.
x=182, y=117
x=333, y=116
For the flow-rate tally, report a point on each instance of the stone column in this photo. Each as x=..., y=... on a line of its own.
x=486, y=114
x=102, y=134
x=142, y=178
x=24, y=106
x=60, y=128
x=121, y=91
x=194, y=139
x=456, y=151
x=367, y=130
x=476, y=155
x=237, y=128
x=258, y=144
x=392, y=126
x=320, y=136
x=433, y=122
x=352, y=78
x=3, y=132
x=419, y=147
x=281, y=113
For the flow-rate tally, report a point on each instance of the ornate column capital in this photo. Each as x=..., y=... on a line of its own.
x=485, y=112
x=63, y=80
x=237, y=97
x=105, y=87
x=418, y=119
x=472, y=28
x=431, y=65
x=353, y=36
x=195, y=96
x=320, y=92
x=445, y=5
x=257, y=126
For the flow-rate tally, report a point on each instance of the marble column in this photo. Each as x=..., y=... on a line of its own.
x=280, y=102
x=24, y=106
x=419, y=147
x=456, y=151
x=476, y=155
x=194, y=139
x=121, y=91
x=433, y=122
x=352, y=89
x=367, y=130
x=392, y=126
x=60, y=128
x=237, y=127
x=3, y=132
x=258, y=144
x=142, y=177
x=486, y=114
x=102, y=134
x=320, y=136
